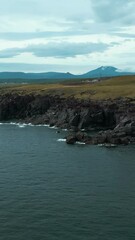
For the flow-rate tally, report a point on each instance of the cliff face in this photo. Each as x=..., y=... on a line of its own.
x=117, y=115
x=54, y=110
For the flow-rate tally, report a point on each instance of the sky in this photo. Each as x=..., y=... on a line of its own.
x=66, y=36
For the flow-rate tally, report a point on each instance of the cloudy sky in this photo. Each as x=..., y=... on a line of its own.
x=60, y=35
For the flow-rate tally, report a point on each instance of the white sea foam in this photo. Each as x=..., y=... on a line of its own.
x=44, y=125
x=29, y=124
x=65, y=129
x=24, y=124
x=53, y=127
x=61, y=140
x=38, y=125
x=8, y=123
x=21, y=125
x=81, y=143
x=12, y=123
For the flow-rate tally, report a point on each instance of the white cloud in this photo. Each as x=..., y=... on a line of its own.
x=67, y=28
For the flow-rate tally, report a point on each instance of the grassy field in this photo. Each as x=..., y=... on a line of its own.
x=110, y=88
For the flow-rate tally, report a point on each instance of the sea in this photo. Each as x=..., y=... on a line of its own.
x=53, y=191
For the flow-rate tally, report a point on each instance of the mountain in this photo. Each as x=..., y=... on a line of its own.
x=104, y=71
x=45, y=75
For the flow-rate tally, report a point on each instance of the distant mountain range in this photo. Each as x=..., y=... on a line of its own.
x=104, y=71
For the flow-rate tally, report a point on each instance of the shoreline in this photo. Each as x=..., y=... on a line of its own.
x=112, y=120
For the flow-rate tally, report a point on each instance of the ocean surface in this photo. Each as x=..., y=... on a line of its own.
x=53, y=191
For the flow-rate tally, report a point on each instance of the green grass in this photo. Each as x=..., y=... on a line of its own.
x=112, y=88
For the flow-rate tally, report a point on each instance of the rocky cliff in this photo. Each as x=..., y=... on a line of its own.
x=113, y=119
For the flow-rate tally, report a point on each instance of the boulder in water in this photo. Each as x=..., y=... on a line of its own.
x=70, y=139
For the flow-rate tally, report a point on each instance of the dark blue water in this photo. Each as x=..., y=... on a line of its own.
x=53, y=191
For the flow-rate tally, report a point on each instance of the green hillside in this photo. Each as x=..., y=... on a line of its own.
x=110, y=88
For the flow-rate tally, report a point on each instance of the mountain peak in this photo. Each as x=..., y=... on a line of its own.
x=105, y=71
x=103, y=68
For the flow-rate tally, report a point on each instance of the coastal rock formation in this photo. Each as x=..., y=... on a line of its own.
x=113, y=119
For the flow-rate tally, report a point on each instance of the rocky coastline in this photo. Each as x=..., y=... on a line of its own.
x=112, y=121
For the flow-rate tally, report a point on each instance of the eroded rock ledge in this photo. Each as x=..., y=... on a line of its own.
x=113, y=119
